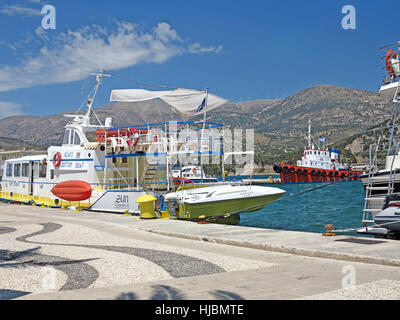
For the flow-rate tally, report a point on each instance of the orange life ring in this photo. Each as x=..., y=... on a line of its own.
x=194, y=170
x=57, y=159
x=389, y=67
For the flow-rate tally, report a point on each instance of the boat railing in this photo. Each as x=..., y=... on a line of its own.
x=128, y=186
x=164, y=135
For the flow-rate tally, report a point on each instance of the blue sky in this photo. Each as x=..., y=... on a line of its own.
x=241, y=50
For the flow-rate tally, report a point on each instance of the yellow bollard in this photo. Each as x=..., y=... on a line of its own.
x=146, y=203
x=127, y=214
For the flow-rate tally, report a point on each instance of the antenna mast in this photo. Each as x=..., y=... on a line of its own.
x=90, y=101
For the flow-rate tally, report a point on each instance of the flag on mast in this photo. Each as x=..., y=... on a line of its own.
x=203, y=104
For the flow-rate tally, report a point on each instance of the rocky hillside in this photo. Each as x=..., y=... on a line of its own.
x=337, y=113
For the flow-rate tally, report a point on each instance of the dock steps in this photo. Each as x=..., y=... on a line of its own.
x=377, y=188
x=372, y=210
x=368, y=221
x=375, y=199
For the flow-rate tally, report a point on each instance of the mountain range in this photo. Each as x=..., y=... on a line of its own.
x=280, y=125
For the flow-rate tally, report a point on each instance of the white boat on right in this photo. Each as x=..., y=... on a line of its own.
x=381, y=213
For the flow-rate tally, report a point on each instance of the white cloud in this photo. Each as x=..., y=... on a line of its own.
x=166, y=33
x=198, y=48
x=8, y=109
x=73, y=55
x=18, y=10
x=41, y=33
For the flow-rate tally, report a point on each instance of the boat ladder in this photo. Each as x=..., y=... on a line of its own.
x=373, y=203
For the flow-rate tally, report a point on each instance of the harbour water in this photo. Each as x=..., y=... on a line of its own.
x=340, y=204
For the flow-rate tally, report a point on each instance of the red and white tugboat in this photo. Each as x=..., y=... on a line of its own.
x=318, y=164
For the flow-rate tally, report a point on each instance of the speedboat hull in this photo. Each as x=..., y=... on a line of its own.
x=218, y=208
x=389, y=218
x=222, y=203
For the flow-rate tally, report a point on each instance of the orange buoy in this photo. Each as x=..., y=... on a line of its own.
x=389, y=67
x=57, y=159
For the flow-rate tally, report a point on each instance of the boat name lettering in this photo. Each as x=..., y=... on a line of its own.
x=68, y=154
x=67, y=165
x=122, y=201
x=79, y=165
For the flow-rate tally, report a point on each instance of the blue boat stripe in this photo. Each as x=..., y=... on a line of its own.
x=93, y=183
x=156, y=154
x=77, y=159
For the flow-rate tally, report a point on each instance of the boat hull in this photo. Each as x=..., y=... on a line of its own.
x=218, y=208
x=389, y=218
x=381, y=180
x=298, y=174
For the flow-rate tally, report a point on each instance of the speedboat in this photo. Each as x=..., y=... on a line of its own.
x=389, y=218
x=224, y=203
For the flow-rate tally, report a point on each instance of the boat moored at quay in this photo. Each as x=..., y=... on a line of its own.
x=318, y=164
x=100, y=167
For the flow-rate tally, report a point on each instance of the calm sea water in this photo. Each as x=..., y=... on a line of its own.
x=340, y=204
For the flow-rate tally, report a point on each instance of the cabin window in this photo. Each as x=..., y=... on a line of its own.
x=9, y=170
x=77, y=140
x=17, y=170
x=91, y=136
x=43, y=169
x=25, y=169
x=36, y=169
x=66, y=136
x=52, y=174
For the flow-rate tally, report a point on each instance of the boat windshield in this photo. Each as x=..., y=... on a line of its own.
x=66, y=137
x=91, y=136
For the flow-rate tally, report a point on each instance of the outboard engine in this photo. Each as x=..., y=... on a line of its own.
x=392, y=200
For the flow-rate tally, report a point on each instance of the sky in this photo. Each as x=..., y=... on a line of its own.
x=240, y=50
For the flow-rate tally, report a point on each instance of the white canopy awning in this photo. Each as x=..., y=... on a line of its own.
x=390, y=87
x=185, y=102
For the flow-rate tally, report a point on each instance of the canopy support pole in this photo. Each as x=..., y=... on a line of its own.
x=204, y=121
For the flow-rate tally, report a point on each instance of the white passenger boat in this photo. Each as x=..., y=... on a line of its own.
x=119, y=164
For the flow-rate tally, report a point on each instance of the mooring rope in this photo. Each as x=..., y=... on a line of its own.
x=354, y=229
x=226, y=215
